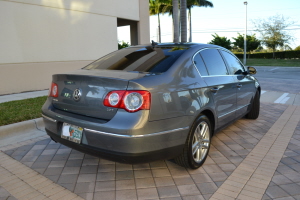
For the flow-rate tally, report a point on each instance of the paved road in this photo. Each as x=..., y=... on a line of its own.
x=280, y=97
x=280, y=84
x=290, y=73
x=280, y=79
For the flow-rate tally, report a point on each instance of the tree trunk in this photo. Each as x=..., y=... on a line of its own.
x=175, y=21
x=159, y=32
x=273, y=53
x=183, y=21
x=190, y=24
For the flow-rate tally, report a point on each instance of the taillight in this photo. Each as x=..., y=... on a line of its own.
x=130, y=100
x=113, y=99
x=53, y=92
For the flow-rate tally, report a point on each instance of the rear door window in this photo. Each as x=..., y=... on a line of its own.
x=200, y=65
x=214, y=62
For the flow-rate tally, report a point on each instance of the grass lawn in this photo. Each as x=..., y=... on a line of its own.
x=21, y=110
x=273, y=62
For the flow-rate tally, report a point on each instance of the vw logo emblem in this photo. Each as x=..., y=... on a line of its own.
x=77, y=94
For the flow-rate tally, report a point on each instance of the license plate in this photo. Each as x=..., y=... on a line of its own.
x=71, y=132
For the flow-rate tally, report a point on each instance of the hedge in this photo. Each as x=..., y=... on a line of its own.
x=278, y=55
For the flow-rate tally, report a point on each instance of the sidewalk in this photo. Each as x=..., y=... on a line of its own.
x=24, y=95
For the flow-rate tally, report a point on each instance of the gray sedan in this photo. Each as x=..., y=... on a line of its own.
x=151, y=102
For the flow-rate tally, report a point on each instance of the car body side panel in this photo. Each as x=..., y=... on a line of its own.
x=224, y=98
x=245, y=93
x=174, y=94
x=245, y=84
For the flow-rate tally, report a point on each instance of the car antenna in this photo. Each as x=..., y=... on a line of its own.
x=153, y=43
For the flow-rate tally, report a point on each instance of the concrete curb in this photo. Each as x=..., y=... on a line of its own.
x=22, y=127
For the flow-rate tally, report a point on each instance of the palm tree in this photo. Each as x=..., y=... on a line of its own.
x=166, y=6
x=190, y=5
x=155, y=8
x=175, y=21
x=183, y=22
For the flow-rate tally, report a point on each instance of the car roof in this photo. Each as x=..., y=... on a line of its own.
x=184, y=45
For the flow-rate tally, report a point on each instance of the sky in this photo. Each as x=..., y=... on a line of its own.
x=228, y=19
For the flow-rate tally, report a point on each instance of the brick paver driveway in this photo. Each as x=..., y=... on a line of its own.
x=251, y=159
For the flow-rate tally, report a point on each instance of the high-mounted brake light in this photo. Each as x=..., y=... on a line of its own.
x=130, y=100
x=53, y=92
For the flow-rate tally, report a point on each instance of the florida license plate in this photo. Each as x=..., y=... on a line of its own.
x=71, y=132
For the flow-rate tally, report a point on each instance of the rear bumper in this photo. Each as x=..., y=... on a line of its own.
x=132, y=158
x=126, y=139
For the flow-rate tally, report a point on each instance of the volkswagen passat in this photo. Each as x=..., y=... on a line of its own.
x=145, y=103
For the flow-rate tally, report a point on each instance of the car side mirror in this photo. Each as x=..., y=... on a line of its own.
x=251, y=70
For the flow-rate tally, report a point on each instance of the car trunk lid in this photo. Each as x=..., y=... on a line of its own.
x=83, y=91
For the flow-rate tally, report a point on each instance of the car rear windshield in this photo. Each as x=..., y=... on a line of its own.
x=146, y=59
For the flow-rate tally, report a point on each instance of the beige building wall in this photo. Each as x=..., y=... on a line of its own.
x=143, y=24
x=42, y=37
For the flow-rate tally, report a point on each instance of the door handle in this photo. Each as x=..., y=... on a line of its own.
x=214, y=89
x=239, y=85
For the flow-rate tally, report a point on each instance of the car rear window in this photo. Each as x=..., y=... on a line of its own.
x=146, y=59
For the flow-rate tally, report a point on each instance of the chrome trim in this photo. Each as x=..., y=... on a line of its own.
x=233, y=111
x=196, y=68
x=77, y=94
x=135, y=136
x=221, y=75
x=50, y=119
x=193, y=58
x=243, y=106
x=227, y=113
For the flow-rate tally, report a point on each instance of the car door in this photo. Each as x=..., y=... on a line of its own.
x=245, y=84
x=221, y=84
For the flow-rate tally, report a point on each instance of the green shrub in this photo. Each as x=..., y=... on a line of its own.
x=278, y=55
x=123, y=45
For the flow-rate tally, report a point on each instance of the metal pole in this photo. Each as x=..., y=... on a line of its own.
x=245, y=36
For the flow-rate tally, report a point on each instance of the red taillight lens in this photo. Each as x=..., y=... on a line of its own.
x=53, y=92
x=136, y=100
x=113, y=98
x=130, y=100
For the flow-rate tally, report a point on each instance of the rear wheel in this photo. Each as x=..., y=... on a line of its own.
x=254, y=111
x=197, y=145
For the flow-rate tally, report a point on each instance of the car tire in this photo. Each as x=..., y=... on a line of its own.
x=255, y=107
x=197, y=144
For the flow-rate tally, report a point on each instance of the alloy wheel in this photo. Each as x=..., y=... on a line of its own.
x=201, y=141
